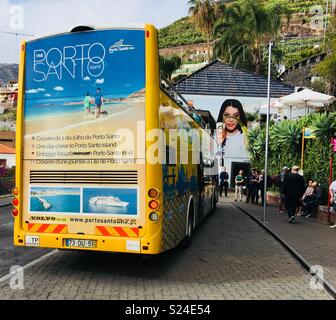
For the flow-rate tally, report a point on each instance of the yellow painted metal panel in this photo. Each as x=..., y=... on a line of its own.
x=18, y=232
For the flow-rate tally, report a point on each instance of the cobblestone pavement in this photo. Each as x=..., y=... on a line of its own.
x=313, y=240
x=10, y=255
x=231, y=258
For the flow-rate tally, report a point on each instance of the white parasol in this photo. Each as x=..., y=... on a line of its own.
x=307, y=99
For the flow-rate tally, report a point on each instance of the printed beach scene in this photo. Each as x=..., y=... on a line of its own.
x=80, y=91
x=55, y=200
x=61, y=116
x=80, y=81
x=111, y=201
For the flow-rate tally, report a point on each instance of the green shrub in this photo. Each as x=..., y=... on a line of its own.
x=286, y=145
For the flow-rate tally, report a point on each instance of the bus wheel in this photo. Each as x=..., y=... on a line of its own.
x=186, y=242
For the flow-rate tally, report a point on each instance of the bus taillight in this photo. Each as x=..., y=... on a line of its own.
x=153, y=193
x=154, y=205
x=15, y=191
x=15, y=202
x=15, y=212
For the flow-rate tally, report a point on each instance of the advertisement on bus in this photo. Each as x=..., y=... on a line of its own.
x=84, y=99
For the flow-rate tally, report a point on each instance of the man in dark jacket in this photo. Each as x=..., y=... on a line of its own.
x=249, y=185
x=224, y=183
x=281, y=178
x=262, y=185
x=293, y=189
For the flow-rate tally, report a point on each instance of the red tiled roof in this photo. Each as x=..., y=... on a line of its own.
x=6, y=150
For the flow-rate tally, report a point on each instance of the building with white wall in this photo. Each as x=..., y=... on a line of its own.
x=7, y=156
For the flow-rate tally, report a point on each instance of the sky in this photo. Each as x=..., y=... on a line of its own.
x=42, y=17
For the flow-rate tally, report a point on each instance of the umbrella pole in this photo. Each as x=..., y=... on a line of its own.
x=290, y=112
x=306, y=108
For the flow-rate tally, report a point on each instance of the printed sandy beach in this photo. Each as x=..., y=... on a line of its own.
x=117, y=112
x=80, y=136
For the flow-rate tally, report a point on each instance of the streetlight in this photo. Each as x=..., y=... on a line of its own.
x=270, y=46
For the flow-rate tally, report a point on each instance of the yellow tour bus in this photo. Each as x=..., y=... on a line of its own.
x=109, y=157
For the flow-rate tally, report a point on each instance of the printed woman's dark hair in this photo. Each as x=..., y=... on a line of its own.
x=235, y=104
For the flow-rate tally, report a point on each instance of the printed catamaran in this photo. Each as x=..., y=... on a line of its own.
x=108, y=201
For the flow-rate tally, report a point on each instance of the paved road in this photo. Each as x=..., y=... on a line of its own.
x=314, y=241
x=10, y=255
x=231, y=258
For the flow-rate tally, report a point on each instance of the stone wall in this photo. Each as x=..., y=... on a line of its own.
x=188, y=52
x=301, y=74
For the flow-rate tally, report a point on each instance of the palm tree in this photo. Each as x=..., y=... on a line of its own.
x=204, y=14
x=169, y=65
x=245, y=28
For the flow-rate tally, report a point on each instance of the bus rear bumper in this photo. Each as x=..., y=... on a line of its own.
x=100, y=243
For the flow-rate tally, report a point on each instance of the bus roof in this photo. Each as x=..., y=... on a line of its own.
x=90, y=28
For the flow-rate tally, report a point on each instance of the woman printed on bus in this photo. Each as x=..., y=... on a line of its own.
x=234, y=126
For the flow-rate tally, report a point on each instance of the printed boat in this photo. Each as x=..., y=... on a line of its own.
x=108, y=201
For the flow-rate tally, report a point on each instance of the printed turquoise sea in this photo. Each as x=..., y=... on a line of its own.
x=63, y=106
x=59, y=204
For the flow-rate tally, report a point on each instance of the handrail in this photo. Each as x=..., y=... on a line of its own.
x=174, y=94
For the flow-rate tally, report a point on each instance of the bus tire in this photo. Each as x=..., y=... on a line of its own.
x=186, y=242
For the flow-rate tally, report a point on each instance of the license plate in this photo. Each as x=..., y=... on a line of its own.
x=76, y=243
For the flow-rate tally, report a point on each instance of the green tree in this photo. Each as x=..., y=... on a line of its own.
x=285, y=146
x=244, y=30
x=327, y=68
x=204, y=14
x=169, y=65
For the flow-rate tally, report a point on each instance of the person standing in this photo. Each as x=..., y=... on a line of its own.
x=249, y=184
x=332, y=191
x=281, y=178
x=255, y=188
x=293, y=190
x=239, y=182
x=98, y=99
x=224, y=183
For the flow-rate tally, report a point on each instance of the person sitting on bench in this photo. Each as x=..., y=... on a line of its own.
x=311, y=203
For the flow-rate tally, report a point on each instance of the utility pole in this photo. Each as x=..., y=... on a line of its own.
x=267, y=126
